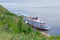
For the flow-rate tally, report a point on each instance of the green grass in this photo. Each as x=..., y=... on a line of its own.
x=23, y=36
x=12, y=27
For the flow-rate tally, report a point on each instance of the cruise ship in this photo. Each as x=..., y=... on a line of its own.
x=36, y=22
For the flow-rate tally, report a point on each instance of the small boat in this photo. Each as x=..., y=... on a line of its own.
x=36, y=23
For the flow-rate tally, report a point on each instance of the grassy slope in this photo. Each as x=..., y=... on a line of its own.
x=12, y=27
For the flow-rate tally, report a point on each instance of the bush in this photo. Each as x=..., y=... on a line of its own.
x=24, y=27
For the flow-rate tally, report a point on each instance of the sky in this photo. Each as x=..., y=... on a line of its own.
x=37, y=3
x=18, y=4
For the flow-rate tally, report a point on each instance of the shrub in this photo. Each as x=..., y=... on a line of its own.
x=24, y=27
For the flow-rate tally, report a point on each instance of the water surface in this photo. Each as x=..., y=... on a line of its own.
x=50, y=15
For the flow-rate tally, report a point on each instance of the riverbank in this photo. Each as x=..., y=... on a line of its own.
x=12, y=27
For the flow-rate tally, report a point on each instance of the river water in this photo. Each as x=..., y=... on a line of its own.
x=51, y=15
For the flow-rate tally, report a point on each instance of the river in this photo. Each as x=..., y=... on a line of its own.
x=50, y=15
